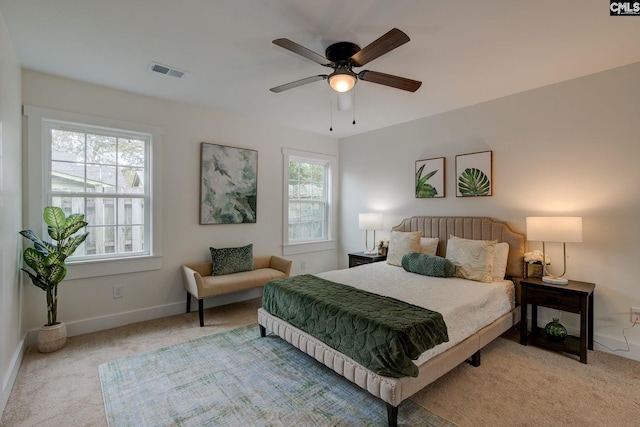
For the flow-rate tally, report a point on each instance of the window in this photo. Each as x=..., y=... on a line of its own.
x=103, y=174
x=308, y=209
x=106, y=169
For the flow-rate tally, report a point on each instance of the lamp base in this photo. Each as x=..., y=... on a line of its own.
x=371, y=252
x=554, y=280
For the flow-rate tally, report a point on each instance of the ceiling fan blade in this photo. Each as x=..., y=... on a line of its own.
x=301, y=50
x=297, y=83
x=390, y=80
x=379, y=47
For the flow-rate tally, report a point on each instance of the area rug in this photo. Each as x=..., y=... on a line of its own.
x=236, y=378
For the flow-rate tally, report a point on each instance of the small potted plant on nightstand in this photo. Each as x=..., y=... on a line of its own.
x=48, y=268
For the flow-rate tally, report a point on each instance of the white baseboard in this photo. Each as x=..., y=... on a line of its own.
x=115, y=320
x=12, y=373
x=616, y=346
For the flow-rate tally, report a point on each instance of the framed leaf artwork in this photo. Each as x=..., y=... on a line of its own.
x=228, y=184
x=473, y=174
x=429, y=181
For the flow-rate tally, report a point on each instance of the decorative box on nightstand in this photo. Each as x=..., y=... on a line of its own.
x=359, y=258
x=534, y=270
x=575, y=297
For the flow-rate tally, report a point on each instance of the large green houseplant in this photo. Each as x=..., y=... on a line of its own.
x=47, y=263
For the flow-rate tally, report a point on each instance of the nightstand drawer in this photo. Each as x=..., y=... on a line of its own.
x=354, y=262
x=554, y=299
x=361, y=258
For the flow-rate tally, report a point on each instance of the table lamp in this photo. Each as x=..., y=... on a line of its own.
x=366, y=222
x=561, y=229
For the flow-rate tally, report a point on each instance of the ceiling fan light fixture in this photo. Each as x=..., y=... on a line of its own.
x=342, y=82
x=343, y=56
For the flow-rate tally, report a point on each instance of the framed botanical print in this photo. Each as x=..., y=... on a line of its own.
x=473, y=174
x=228, y=184
x=430, y=176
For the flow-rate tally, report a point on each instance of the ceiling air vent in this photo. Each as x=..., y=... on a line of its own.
x=165, y=69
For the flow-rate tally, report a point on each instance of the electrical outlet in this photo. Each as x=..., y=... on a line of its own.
x=117, y=292
x=635, y=315
x=303, y=265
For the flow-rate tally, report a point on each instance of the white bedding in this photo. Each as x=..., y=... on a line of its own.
x=466, y=306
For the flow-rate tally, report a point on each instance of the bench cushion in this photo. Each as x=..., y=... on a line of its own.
x=236, y=282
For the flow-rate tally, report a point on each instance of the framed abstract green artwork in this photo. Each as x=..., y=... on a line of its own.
x=228, y=184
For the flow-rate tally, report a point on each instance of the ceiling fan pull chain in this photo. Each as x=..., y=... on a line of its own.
x=330, y=115
x=354, y=105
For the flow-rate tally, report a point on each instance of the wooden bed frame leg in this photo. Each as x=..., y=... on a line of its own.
x=392, y=415
x=263, y=331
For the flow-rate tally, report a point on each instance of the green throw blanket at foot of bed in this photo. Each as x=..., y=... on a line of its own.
x=381, y=333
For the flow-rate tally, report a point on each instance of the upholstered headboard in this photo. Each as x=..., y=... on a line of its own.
x=471, y=227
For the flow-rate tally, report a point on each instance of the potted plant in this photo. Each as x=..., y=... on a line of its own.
x=48, y=268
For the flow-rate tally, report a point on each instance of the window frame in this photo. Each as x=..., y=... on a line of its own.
x=50, y=125
x=328, y=243
x=38, y=188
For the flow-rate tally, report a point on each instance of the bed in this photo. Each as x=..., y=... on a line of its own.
x=494, y=312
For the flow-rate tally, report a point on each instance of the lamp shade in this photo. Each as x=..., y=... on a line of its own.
x=370, y=221
x=554, y=229
x=342, y=82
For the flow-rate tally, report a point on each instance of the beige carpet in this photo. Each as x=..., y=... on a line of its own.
x=515, y=385
x=528, y=386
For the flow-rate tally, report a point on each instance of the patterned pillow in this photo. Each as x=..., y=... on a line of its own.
x=473, y=258
x=428, y=265
x=429, y=245
x=401, y=243
x=500, y=260
x=232, y=260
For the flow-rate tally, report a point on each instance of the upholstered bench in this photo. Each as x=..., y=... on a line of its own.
x=200, y=283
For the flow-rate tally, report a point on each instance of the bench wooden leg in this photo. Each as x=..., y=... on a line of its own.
x=188, y=302
x=201, y=311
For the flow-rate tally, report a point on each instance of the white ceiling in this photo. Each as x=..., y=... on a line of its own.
x=464, y=51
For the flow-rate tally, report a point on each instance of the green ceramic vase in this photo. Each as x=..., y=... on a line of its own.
x=555, y=331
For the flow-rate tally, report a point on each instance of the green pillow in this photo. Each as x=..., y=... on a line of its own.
x=232, y=260
x=428, y=265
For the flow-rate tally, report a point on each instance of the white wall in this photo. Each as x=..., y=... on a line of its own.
x=87, y=304
x=567, y=149
x=11, y=333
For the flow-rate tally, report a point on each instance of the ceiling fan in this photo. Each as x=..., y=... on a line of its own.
x=342, y=57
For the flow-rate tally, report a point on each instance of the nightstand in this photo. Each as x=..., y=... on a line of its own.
x=359, y=258
x=575, y=297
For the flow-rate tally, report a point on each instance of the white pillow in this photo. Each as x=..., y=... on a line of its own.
x=401, y=243
x=500, y=258
x=429, y=245
x=473, y=258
